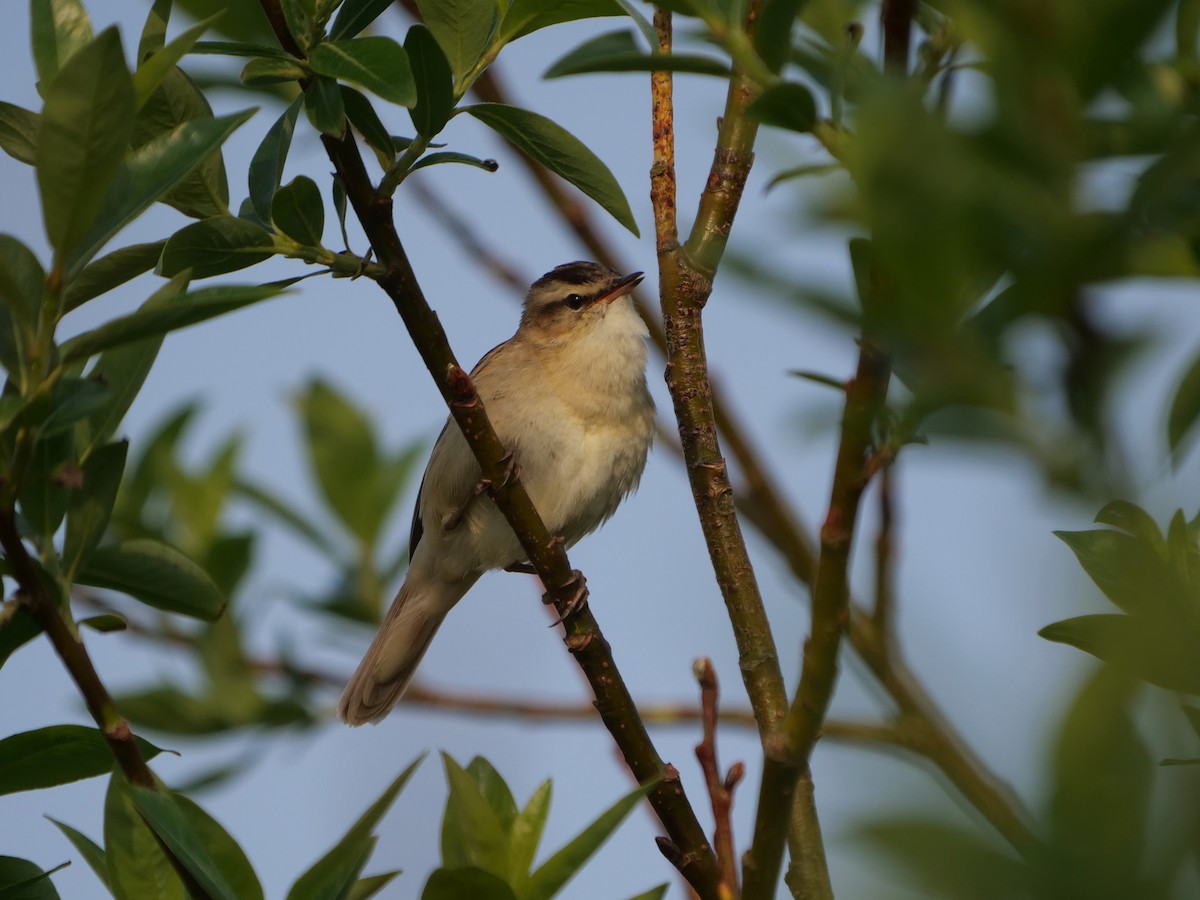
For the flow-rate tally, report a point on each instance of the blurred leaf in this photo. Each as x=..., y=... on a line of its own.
x=58, y=754
x=364, y=118
x=773, y=31
x=16, y=629
x=355, y=15
x=160, y=317
x=59, y=29
x=298, y=211
x=91, y=505
x=368, y=887
x=323, y=106
x=525, y=835
x=942, y=860
x=137, y=867
x=549, y=878
x=215, y=246
x=462, y=29
x=1133, y=519
x=239, y=21
x=432, y=79
x=283, y=513
x=1161, y=651
x=337, y=871
x=463, y=882
x=618, y=51
x=527, y=16
x=164, y=814
x=655, y=893
x=110, y=272
x=560, y=152
x=153, y=69
x=122, y=371
x=43, y=493
x=238, y=48
x=22, y=281
x=229, y=558
x=157, y=575
x=169, y=710
x=151, y=173
x=1185, y=408
x=266, y=167
x=786, y=105
x=267, y=70
x=21, y=879
x=154, y=29
x=473, y=834
x=355, y=482
x=378, y=64
x=1101, y=793
x=86, y=123
x=18, y=133
x=92, y=853
x=72, y=400
x=433, y=159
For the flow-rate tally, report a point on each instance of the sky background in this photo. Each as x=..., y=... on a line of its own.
x=979, y=572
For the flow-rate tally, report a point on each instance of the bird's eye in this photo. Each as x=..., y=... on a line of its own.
x=574, y=301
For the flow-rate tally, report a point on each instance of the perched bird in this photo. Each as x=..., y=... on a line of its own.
x=567, y=396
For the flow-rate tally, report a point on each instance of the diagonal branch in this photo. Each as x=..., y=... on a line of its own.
x=548, y=556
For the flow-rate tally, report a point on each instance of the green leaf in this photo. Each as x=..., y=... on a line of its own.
x=462, y=28
x=204, y=190
x=22, y=281
x=378, y=64
x=1185, y=408
x=364, y=118
x=238, y=48
x=346, y=460
x=1126, y=569
x=92, y=853
x=72, y=400
x=267, y=70
x=355, y=15
x=43, y=495
x=299, y=212
x=618, y=51
x=655, y=893
x=1160, y=652
x=154, y=29
x=21, y=879
x=773, y=31
x=86, y=123
x=59, y=29
x=266, y=167
x=284, y=514
x=563, y=865
x=472, y=833
x=323, y=106
x=215, y=246
x=58, y=754
x=526, y=834
x=151, y=71
x=336, y=872
x=158, y=318
x=110, y=272
x=153, y=171
x=91, y=505
x=18, y=133
x=495, y=790
x=560, y=152
x=368, y=887
x=527, y=16
x=157, y=575
x=433, y=80
x=165, y=816
x=137, y=867
x=446, y=156
x=16, y=629
x=468, y=881
x=1131, y=518
x=786, y=105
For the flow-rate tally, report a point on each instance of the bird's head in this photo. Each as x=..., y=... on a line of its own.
x=573, y=298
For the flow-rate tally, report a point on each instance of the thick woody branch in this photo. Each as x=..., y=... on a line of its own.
x=545, y=552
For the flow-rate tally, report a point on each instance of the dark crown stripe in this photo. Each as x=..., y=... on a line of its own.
x=574, y=273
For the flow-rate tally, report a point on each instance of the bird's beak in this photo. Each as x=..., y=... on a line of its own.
x=621, y=288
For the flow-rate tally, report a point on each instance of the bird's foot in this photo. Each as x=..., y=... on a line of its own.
x=512, y=471
x=573, y=594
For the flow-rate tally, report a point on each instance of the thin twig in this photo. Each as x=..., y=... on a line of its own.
x=885, y=552
x=720, y=790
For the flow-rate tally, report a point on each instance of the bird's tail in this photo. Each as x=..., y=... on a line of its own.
x=391, y=660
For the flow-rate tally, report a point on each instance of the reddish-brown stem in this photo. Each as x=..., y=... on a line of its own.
x=720, y=790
